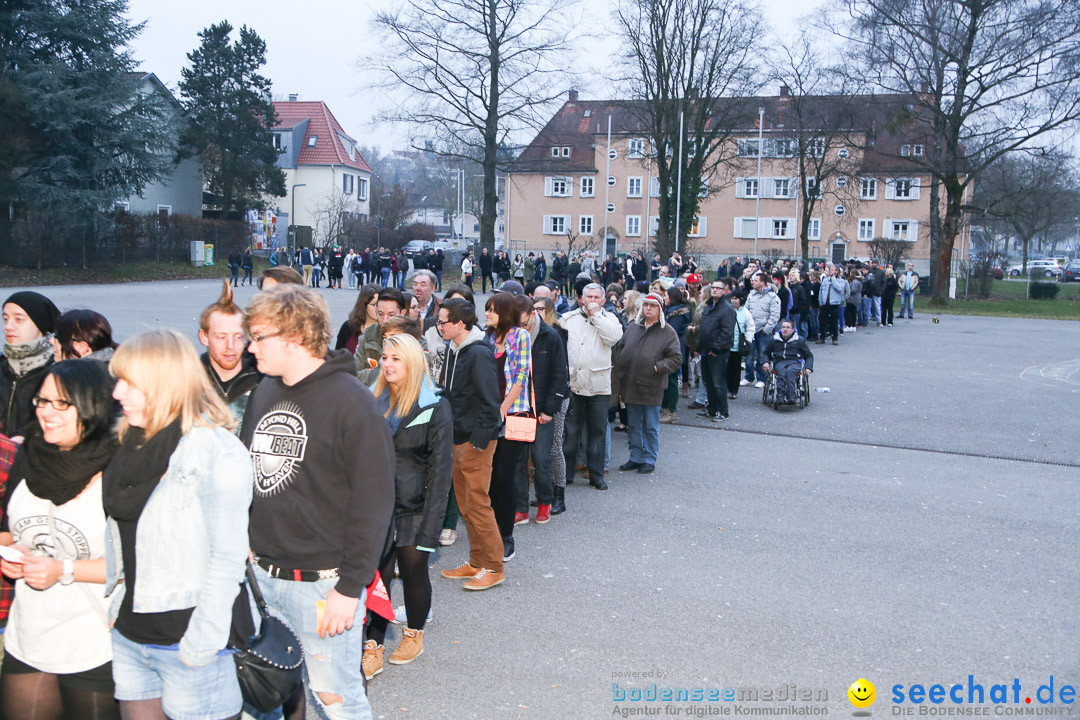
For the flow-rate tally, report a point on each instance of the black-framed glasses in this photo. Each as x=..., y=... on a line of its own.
x=440, y=323
x=260, y=338
x=59, y=404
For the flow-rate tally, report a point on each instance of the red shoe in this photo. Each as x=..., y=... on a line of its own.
x=543, y=514
x=521, y=518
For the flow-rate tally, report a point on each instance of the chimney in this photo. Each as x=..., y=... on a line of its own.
x=293, y=97
x=573, y=95
x=785, y=91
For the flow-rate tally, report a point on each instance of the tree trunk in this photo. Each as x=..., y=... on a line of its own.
x=491, y=138
x=950, y=229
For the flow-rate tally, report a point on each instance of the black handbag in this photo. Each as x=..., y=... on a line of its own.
x=744, y=345
x=270, y=668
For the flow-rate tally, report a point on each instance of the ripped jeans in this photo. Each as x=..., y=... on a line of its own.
x=331, y=664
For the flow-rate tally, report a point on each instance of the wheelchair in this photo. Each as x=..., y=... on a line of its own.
x=770, y=394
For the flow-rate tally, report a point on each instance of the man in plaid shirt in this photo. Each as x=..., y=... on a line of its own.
x=7, y=588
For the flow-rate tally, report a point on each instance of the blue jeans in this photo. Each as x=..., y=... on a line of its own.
x=438, y=277
x=757, y=357
x=865, y=306
x=907, y=300
x=815, y=328
x=877, y=307
x=146, y=672
x=798, y=322
x=540, y=451
x=588, y=413
x=643, y=432
x=234, y=274
x=385, y=277
x=331, y=664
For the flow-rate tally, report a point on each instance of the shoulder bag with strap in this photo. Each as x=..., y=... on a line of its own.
x=521, y=427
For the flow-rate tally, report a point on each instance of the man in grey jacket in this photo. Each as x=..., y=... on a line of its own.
x=763, y=304
x=832, y=297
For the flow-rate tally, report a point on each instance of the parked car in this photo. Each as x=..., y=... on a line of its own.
x=1046, y=268
x=1071, y=271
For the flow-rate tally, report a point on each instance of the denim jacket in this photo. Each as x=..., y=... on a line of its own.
x=191, y=541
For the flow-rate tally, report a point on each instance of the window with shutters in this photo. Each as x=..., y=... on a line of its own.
x=779, y=228
x=814, y=231
x=698, y=228
x=654, y=187
x=654, y=225
x=748, y=148
x=750, y=187
x=633, y=225
x=866, y=229
x=633, y=187
x=637, y=148
x=558, y=186
x=585, y=225
x=868, y=188
x=588, y=187
x=901, y=229
x=903, y=189
x=555, y=224
x=781, y=187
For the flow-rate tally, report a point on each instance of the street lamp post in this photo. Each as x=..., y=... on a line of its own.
x=292, y=219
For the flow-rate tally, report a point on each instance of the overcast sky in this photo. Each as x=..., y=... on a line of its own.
x=312, y=49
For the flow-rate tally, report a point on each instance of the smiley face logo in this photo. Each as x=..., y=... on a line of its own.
x=862, y=693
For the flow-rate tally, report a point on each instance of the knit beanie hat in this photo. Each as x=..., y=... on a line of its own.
x=40, y=309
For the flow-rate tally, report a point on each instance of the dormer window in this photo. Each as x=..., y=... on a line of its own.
x=554, y=152
x=312, y=140
x=917, y=150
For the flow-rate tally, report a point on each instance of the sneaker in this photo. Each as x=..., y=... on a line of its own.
x=744, y=382
x=629, y=465
x=508, y=549
x=667, y=416
x=719, y=418
x=646, y=469
x=835, y=342
x=704, y=414
x=400, y=617
x=485, y=579
x=447, y=537
x=521, y=518
x=890, y=324
x=463, y=572
x=411, y=647
x=543, y=514
x=372, y=661
x=695, y=406
x=759, y=384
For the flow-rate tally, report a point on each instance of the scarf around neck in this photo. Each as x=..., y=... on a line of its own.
x=28, y=356
x=60, y=475
x=136, y=469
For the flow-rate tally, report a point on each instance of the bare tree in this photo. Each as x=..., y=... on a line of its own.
x=985, y=78
x=332, y=216
x=475, y=72
x=888, y=251
x=576, y=240
x=820, y=113
x=1029, y=196
x=694, y=59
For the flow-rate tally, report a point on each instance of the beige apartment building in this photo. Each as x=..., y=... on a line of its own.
x=561, y=183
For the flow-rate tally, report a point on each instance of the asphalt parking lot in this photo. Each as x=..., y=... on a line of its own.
x=916, y=524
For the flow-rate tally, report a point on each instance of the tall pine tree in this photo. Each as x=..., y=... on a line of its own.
x=77, y=133
x=230, y=118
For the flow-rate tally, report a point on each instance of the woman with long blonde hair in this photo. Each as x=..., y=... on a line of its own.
x=423, y=443
x=177, y=494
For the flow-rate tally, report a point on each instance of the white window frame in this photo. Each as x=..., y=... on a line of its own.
x=912, y=184
x=865, y=223
x=780, y=228
x=633, y=226
x=347, y=181
x=555, y=152
x=811, y=184
x=917, y=150
x=868, y=188
x=565, y=151
x=815, y=147
x=582, y=230
x=550, y=224
x=312, y=141
x=122, y=205
x=905, y=150
x=911, y=230
x=654, y=225
x=654, y=187
x=699, y=227
x=361, y=188
x=166, y=208
x=633, y=186
x=748, y=147
x=748, y=184
x=781, y=183
x=591, y=182
x=902, y=188
x=814, y=231
x=565, y=186
x=636, y=148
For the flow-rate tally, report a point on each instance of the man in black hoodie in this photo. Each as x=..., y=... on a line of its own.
x=230, y=367
x=470, y=381
x=323, y=460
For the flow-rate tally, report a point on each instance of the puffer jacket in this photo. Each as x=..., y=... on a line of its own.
x=794, y=348
x=588, y=350
x=764, y=307
x=646, y=357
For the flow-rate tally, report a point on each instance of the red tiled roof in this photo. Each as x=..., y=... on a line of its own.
x=329, y=148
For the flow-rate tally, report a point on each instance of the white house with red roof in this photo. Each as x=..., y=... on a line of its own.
x=324, y=170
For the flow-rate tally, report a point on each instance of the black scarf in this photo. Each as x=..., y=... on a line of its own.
x=59, y=475
x=136, y=469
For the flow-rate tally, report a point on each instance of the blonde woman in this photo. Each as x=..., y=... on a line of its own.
x=177, y=494
x=423, y=444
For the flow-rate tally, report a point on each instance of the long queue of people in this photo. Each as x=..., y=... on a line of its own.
x=142, y=478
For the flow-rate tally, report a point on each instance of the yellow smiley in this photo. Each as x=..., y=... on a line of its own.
x=862, y=693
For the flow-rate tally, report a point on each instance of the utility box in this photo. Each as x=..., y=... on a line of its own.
x=198, y=253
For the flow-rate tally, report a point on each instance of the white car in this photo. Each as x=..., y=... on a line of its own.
x=1047, y=268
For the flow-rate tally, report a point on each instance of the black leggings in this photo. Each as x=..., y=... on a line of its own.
x=887, y=301
x=502, y=492
x=734, y=371
x=412, y=565
x=42, y=696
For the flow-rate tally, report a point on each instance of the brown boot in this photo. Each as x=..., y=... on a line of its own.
x=372, y=662
x=412, y=644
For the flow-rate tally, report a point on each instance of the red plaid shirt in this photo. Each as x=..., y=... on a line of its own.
x=7, y=588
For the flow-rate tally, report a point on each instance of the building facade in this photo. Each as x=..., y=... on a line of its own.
x=326, y=178
x=568, y=180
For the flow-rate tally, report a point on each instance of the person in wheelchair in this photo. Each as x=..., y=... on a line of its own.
x=787, y=355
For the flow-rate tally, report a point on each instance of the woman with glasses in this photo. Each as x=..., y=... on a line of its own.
x=361, y=317
x=177, y=494
x=57, y=649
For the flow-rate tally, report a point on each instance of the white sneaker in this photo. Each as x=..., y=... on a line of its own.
x=447, y=537
x=744, y=382
x=400, y=617
x=759, y=384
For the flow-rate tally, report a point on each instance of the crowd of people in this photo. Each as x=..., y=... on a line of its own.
x=381, y=266
x=139, y=480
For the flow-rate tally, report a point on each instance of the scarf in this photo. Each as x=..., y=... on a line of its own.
x=59, y=475
x=28, y=356
x=136, y=469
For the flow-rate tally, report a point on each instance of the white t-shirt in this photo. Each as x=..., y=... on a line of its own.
x=58, y=630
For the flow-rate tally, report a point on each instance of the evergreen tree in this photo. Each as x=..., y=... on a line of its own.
x=231, y=118
x=77, y=134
